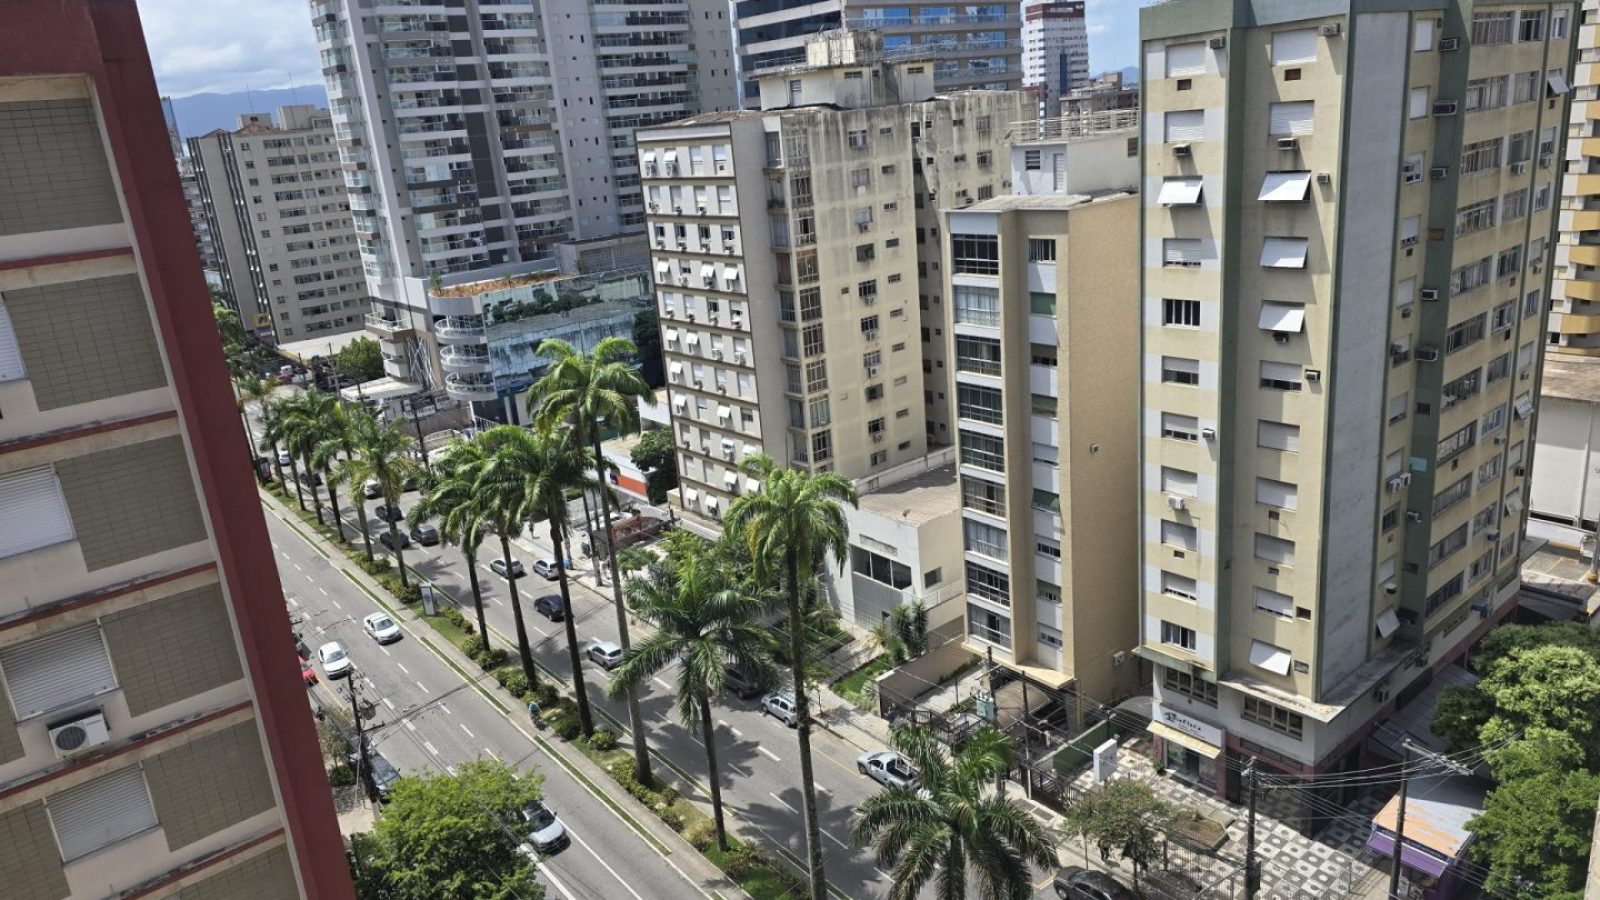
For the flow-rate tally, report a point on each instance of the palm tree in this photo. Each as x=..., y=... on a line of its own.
x=383, y=454
x=500, y=490
x=272, y=412
x=336, y=437
x=703, y=618
x=301, y=432
x=449, y=499
x=944, y=825
x=252, y=388
x=589, y=391
x=790, y=525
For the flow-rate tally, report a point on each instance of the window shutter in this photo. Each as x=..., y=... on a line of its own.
x=57, y=670
x=1291, y=118
x=1181, y=250
x=1294, y=47
x=1274, y=602
x=1184, y=60
x=1281, y=494
x=1284, y=253
x=1419, y=103
x=101, y=812
x=1422, y=40
x=1278, y=436
x=33, y=512
x=1185, y=125
x=1276, y=550
x=1280, y=371
x=1177, y=481
x=10, y=356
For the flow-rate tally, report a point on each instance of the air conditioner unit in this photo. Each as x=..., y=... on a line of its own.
x=672, y=170
x=1519, y=470
x=1288, y=143
x=655, y=207
x=863, y=227
x=1328, y=29
x=1544, y=160
x=77, y=735
x=1408, y=241
x=710, y=280
x=1390, y=587
x=1175, y=502
x=1180, y=150
x=1380, y=694
x=699, y=384
x=1429, y=294
x=1519, y=168
x=1439, y=173
x=1281, y=337
x=1313, y=375
x=1217, y=43
x=1209, y=434
x=1405, y=310
x=1413, y=516
x=872, y=371
x=1491, y=534
x=678, y=210
x=722, y=167
x=1449, y=44
x=1444, y=107
x=1324, y=178
x=716, y=352
x=870, y=334
x=1427, y=354
x=1398, y=482
x=722, y=389
x=877, y=437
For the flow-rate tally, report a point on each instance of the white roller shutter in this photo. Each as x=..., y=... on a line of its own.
x=101, y=812
x=1422, y=38
x=1177, y=481
x=1185, y=60
x=1294, y=47
x=1418, y=104
x=1291, y=118
x=1281, y=605
x=1185, y=125
x=1277, y=435
x=1182, y=251
x=57, y=670
x=1273, y=550
x=1272, y=370
x=10, y=357
x=1281, y=494
x=33, y=512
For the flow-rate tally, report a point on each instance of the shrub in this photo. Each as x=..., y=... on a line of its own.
x=566, y=726
x=512, y=679
x=670, y=795
x=602, y=740
x=701, y=834
x=624, y=772
x=489, y=659
x=544, y=694
x=471, y=646
x=341, y=775
x=672, y=818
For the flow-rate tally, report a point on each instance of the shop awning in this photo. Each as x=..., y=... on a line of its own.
x=1183, y=191
x=1285, y=187
x=1188, y=741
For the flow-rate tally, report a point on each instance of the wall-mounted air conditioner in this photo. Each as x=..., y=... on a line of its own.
x=77, y=735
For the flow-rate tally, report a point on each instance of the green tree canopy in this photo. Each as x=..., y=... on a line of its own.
x=656, y=457
x=451, y=836
x=361, y=359
x=1503, y=640
x=1123, y=814
x=1535, y=832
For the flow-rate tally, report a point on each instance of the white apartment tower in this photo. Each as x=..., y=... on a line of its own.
x=1055, y=50
x=1347, y=229
x=786, y=255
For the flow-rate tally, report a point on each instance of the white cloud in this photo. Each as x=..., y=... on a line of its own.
x=229, y=45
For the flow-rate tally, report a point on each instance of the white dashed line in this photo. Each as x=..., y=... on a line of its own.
x=293, y=602
x=491, y=753
x=783, y=804
x=662, y=683
x=431, y=749
x=297, y=567
x=335, y=604
x=829, y=835
x=468, y=731
x=446, y=710
x=424, y=688
x=403, y=668
x=601, y=860
x=389, y=703
x=732, y=730
x=822, y=790
x=385, y=650
x=323, y=590
x=287, y=556
x=410, y=726
x=770, y=755
x=452, y=771
x=554, y=881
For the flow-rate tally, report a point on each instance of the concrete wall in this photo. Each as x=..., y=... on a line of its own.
x=907, y=682
x=1566, y=473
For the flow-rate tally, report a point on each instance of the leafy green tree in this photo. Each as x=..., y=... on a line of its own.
x=383, y=454
x=1461, y=714
x=501, y=488
x=452, y=836
x=275, y=427
x=1534, y=834
x=229, y=329
x=360, y=360
x=790, y=525
x=949, y=826
x=658, y=460
x=251, y=388
x=1122, y=814
x=305, y=421
x=905, y=633
x=591, y=392
x=1507, y=638
x=450, y=500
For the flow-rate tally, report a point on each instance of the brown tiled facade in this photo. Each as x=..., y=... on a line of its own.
x=85, y=340
x=266, y=876
x=28, y=859
x=132, y=501
x=140, y=641
x=53, y=171
x=208, y=784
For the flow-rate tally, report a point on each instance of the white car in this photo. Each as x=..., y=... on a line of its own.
x=371, y=488
x=606, y=654
x=545, y=567
x=545, y=832
x=887, y=768
x=781, y=706
x=335, y=662
x=383, y=629
x=285, y=458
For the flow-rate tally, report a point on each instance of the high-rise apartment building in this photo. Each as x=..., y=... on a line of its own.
x=476, y=136
x=1574, y=325
x=967, y=46
x=1055, y=50
x=277, y=213
x=789, y=263
x=155, y=738
x=1348, y=215
x=1043, y=287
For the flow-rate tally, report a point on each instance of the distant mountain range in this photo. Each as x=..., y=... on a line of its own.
x=201, y=113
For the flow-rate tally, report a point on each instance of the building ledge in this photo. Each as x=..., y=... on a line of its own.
x=1352, y=689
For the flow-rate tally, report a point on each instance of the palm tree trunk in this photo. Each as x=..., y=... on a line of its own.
x=333, y=501
x=294, y=472
x=802, y=709
x=641, y=749
x=516, y=612
x=588, y=527
x=277, y=464
x=477, y=596
x=248, y=437
x=709, y=735
x=580, y=690
x=311, y=476
x=366, y=529
x=394, y=544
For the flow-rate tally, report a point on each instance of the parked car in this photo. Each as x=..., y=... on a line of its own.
x=311, y=479
x=544, y=831
x=387, y=513
x=426, y=535
x=285, y=458
x=545, y=567
x=383, y=774
x=608, y=654
x=742, y=685
x=500, y=567
x=887, y=768
x=551, y=606
x=1077, y=883
x=371, y=488
x=308, y=672
x=383, y=629
x=780, y=705
x=389, y=540
x=335, y=662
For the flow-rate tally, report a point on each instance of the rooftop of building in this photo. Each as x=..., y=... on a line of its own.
x=484, y=286
x=1043, y=201
x=534, y=323
x=1571, y=377
x=916, y=498
x=1080, y=126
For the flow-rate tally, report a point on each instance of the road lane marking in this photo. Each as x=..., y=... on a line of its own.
x=452, y=771
x=770, y=755
x=294, y=602
x=389, y=703
x=658, y=680
x=431, y=749
x=410, y=726
x=732, y=730
x=783, y=804
x=446, y=710
x=625, y=886
x=468, y=731
x=403, y=668
x=491, y=753
x=821, y=790
x=323, y=590
x=541, y=631
x=424, y=688
x=287, y=556
x=555, y=882
x=830, y=837
x=335, y=604
x=385, y=650
x=297, y=567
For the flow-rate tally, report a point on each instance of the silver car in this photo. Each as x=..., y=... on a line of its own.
x=381, y=628
x=545, y=832
x=887, y=768
x=781, y=706
x=605, y=653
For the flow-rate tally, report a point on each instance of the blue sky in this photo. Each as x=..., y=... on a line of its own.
x=1113, y=34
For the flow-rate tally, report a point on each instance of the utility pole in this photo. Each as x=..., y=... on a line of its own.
x=363, y=766
x=1407, y=748
x=1252, y=868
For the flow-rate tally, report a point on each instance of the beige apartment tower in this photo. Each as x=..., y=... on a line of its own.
x=1574, y=325
x=789, y=264
x=1348, y=217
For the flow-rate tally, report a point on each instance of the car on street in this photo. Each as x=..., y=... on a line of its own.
x=383, y=774
x=335, y=662
x=781, y=706
x=285, y=458
x=311, y=479
x=308, y=672
x=389, y=539
x=426, y=535
x=371, y=488
x=887, y=768
x=545, y=567
x=1078, y=883
x=741, y=684
x=383, y=629
x=551, y=606
x=500, y=567
x=543, y=830
x=387, y=513
x=608, y=654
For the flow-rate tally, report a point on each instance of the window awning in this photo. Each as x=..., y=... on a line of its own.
x=1283, y=253
x=1388, y=623
x=1283, y=317
x=670, y=156
x=1514, y=502
x=690, y=495
x=707, y=270
x=750, y=484
x=724, y=412
x=675, y=367
x=1285, y=187
x=1180, y=191
x=679, y=401
x=691, y=337
x=649, y=157
x=670, y=334
x=727, y=444
x=664, y=269
x=1523, y=407
x=711, y=503
x=1266, y=656
x=1557, y=83
x=1173, y=735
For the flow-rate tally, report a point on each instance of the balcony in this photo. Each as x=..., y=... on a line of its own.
x=465, y=359
x=387, y=329
x=1577, y=289
x=1584, y=254
x=469, y=387
x=461, y=331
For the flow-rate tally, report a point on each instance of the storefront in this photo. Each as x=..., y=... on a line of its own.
x=1190, y=749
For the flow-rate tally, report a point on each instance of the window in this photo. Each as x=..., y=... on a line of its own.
x=1492, y=421
x=1277, y=436
x=1177, y=370
x=1031, y=160
x=1181, y=125
x=1280, y=605
x=1471, y=276
x=1179, y=427
x=1273, y=717
x=1046, y=501
x=987, y=584
x=1422, y=38
x=1497, y=369
x=983, y=496
x=820, y=413
x=1041, y=304
x=1455, y=442
x=975, y=254
x=1048, y=547
x=1274, y=550
x=1178, y=636
x=1459, y=389
x=1047, y=592
x=49, y=673
x=1411, y=169
x=982, y=450
x=1041, y=250
x=1280, y=376
x=1530, y=25
x=1465, y=334
x=988, y=627
x=977, y=306
x=1042, y=354
x=1417, y=107
x=1185, y=60
x=1050, y=637
x=33, y=512
x=860, y=178
x=1179, y=586
x=1514, y=205
x=866, y=253
x=1491, y=27
x=1294, y=47
x=821, y=446
x=1285, y=187
x=101, y=812
x=1476, y=216
x=869, y=326
x=866, y=290
x=1446, y=546
x=1452, y=495
x=1277, y=494
x=977, y=355
x=1175, y=534
x=1290, y=118
x=1043, y=405
x=1197, y=689
x=858, y=140
x=1180, y=312
x=816, y=376
x=1481, y=156
x=811, y=339
x=1503, y=316
x=1182, y=252
x=1525, y=86
x=1179, y=482
x=1486, y=93
x=1558, y=24
x=980, y=404
x=1508, y=263
x=985, y=539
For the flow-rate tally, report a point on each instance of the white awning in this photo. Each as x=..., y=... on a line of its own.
x=724, y=412
x=1523, y=407
x=1388, y=623
x=1190, y=742
x=727, y=443
x=1514, y=502
x=1273, y=659
x=675, y=367
x=691, y=337
x=1282, y=317
x=1283, y=253
x=750, y=484
x=1285, y=187
x=707, y=270
x=690, y=495
x=1557, y=83
x=649, y=156
x=664, y=269
x=670, y=156
x=730, y=479
x=712, y=502
x=1182, y=191
x=670, y=334
x=679, y=401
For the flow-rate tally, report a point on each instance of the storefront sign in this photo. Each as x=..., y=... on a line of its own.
x=1189, y=725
